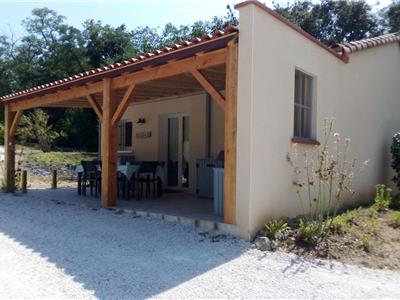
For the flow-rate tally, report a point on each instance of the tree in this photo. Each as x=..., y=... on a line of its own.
x=35, y=126
x=332, y=21
x=106, y=44
x=393, y=17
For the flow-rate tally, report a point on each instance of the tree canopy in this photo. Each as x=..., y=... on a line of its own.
x=333, y=21
x=51, y=49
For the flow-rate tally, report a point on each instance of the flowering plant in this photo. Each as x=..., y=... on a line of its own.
x=324, y=175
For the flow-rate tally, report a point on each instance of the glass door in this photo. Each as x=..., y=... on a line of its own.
x=178, y=151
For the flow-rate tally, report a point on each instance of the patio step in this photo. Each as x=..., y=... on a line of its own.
x=199, y=223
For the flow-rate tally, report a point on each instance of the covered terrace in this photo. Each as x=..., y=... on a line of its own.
x=205, y=64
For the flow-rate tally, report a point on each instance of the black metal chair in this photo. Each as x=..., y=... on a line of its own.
x=91, y=177
x=125, y=184
x=146, y=175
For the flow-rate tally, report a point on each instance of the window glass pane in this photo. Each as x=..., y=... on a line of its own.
x=173, y=151
x=185, y=152
x=308, y=86
x=128, y=134
x=303, y=105
x=297, y=88
x=297, y=121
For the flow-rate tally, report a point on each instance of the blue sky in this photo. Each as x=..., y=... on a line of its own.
x=131, y=12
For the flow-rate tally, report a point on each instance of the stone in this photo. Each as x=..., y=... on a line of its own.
x=263, y=243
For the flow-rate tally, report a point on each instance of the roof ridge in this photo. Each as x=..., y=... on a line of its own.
x=128, y=62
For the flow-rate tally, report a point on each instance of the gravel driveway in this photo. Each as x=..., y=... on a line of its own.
x=50, y=250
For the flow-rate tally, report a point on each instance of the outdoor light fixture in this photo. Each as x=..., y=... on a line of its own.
x=141, y=121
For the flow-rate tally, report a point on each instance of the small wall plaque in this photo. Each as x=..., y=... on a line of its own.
x=143, y=135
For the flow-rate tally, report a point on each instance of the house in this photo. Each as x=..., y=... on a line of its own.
x=235, y=92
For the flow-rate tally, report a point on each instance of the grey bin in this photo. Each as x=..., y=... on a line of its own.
x=205, y=176
x=218, y=191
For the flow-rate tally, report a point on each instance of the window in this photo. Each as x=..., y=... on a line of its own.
x=303, y=106
x=124, y=135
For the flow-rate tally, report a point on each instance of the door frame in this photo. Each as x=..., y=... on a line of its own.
x=180, y=116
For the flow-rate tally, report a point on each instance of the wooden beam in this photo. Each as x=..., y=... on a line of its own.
x=123, y=105
x=96, y=107
x=209, y=88
x=9, y=149
x=207, y=60
x=15, y=122
x=108, y=147
x=230, y=134
x=60, y=96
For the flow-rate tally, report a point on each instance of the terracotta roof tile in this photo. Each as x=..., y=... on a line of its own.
x=360, y=45
x=124, y=64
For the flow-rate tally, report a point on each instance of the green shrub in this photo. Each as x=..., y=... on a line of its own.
x=366, y=242
x=309, y=231
x=1, y=134
x=395, y=203
x=395, y=218
x=395, y=150
x=273, y=227
x=383, y=197
x=343, y=221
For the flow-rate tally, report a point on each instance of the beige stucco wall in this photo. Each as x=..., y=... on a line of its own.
x=193, y=105
x=363, y=96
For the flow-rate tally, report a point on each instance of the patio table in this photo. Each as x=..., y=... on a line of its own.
x=127, y=170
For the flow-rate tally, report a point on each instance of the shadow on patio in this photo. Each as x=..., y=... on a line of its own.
x=114, y=255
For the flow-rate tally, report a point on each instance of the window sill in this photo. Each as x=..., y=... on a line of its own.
x=297, y=140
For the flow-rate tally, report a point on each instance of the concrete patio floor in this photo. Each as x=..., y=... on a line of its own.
x=174, y=204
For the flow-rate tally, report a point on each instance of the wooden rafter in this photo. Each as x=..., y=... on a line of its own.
x=207, y=60
x=96, y=107
x=58, y=97
x=15, y=121
x=209, y=88
x=123, y=105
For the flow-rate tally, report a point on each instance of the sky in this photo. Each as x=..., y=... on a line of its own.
x=154, y=13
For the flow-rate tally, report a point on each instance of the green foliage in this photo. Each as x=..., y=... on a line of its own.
x=34, y=126
x=332, y=21
x=383, y=197
x=274, y=227
x=395, y=203
x=395, y=150
x=309, y=231
x=366, y=242
x=395, y=218
x=58, y=158
x=393, y=17
x=344, y=220
x=1, y=134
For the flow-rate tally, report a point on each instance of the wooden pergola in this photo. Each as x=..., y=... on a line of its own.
x=207, y=64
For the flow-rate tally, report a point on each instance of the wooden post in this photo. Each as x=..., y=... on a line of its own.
x=230, y=134
x=108, y=147
x=11, y=119
x=54, y=179
x=24, y=180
